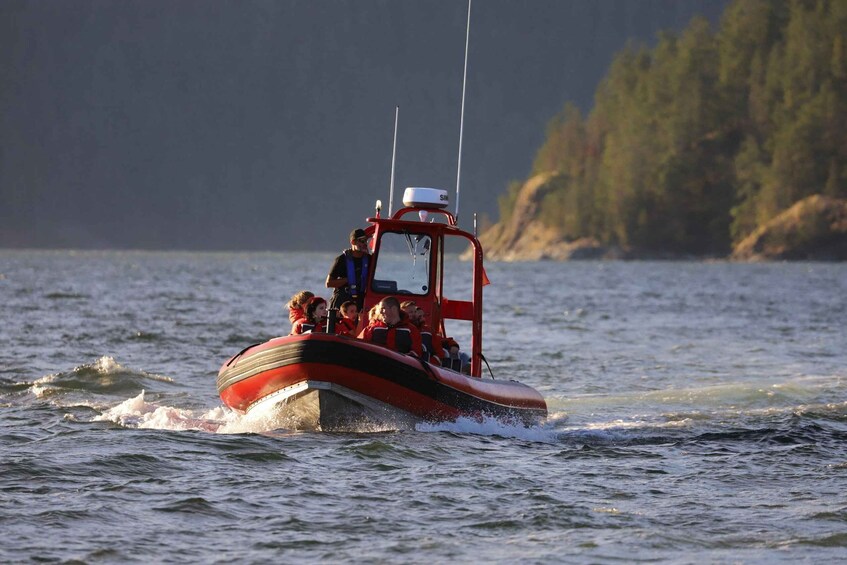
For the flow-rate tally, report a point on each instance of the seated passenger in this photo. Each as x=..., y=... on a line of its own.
x=450, y=346
x=314, y=318
x=297, y=304
x=373, y=314
x=430, y=339
x=394, y=330
x=432, y=349
x=349, y=319
x=409, y=307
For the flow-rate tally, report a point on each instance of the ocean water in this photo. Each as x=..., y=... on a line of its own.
x=698, y=413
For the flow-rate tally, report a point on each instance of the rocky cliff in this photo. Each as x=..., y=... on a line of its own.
x=815, y=228
x=523, y=238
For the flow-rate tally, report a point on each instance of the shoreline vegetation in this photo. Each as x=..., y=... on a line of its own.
x=727, y=143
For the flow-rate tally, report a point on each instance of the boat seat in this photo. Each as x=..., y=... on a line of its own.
x=454, y=363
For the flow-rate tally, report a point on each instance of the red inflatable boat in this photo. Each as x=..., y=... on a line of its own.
x=329, y=382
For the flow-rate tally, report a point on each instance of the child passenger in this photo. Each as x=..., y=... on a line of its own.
x=313, y=319
x=349, y=319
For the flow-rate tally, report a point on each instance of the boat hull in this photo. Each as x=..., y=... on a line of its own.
x=332, y=382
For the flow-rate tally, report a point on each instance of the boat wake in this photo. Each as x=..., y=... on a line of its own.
x=786, y=425
x=546, y=433
x=758, y=411
x=137, y=413
x=137, y=399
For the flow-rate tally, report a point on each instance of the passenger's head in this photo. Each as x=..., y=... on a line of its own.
x=349, y=309
x=373, y=314
x=420, y=317
x=409, y=307
x=300, y=299
x=359, y=240
x=316, y=309
x=389, y=310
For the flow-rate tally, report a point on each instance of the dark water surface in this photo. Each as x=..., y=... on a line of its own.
x=698, y=413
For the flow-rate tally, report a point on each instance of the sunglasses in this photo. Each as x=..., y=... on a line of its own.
x=361, y=240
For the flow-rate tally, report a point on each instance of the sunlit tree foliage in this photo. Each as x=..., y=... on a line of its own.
x=694, y=143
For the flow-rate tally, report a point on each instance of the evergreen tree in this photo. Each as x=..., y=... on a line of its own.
x=694, y=143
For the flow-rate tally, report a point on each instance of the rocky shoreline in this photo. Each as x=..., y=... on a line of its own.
x=813, y=229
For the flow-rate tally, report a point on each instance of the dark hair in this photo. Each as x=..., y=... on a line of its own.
x=313, y=304
x=347, y=305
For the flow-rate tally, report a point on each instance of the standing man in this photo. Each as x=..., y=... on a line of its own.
x=349, y=273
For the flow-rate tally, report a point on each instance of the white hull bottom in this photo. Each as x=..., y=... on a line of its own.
x=325, y=406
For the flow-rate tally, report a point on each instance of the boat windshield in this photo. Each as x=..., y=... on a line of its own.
x=402, y=266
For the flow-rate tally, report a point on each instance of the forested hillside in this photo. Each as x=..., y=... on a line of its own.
x=693, y=144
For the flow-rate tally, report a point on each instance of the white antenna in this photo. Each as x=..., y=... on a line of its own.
x=462, y=119
x=393, y=161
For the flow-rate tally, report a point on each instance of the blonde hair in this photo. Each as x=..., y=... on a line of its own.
x=373, y=313
x=299, y=300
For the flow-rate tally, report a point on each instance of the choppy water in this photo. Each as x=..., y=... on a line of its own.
x=698, y=414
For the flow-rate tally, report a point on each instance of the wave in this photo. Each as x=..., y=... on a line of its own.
x=66, y=296
x=487, y=426
x=136, y=412
x=105, y=376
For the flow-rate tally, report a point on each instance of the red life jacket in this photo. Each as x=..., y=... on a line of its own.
x=432, y=342
x=403, y=337
x=305, y=325
x=345, y=326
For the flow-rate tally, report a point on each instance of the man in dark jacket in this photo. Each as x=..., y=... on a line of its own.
x=349, y=273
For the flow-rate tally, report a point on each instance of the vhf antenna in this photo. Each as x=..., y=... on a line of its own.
x=462, y=119
x=393, y=161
